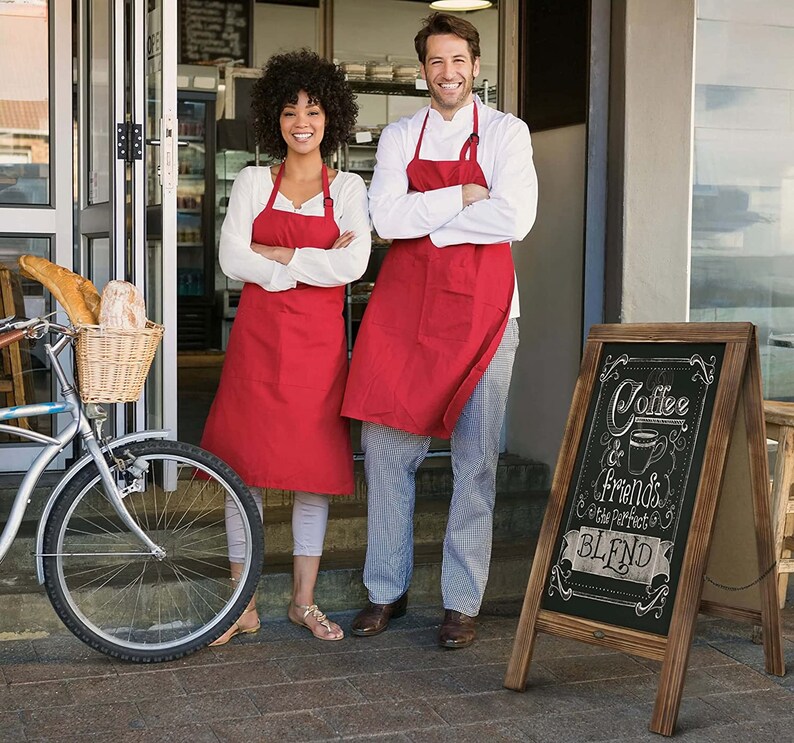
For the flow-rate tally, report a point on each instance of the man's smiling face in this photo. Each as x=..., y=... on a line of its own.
x=450, y=72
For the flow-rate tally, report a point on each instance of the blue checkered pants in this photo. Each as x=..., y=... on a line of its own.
x=391, y=460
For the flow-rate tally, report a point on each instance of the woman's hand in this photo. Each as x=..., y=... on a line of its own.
x=343, y=240
x=274, y=252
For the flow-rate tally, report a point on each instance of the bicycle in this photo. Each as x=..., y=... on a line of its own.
x=132, y=543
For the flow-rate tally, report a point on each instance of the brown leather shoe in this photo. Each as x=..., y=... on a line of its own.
x=457, y=631
x=374, y=618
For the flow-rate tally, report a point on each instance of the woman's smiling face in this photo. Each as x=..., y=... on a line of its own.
x=302, y=124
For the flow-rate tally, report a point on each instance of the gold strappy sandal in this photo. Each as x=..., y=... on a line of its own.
x=236, y=629
x=319, y=617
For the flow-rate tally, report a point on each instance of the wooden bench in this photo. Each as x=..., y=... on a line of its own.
x=779, y=417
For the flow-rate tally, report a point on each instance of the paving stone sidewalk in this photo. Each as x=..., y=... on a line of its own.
x=281, y=685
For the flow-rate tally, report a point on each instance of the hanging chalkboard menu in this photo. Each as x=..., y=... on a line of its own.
x=641, y=512
x=619, y=551
x=215, y=29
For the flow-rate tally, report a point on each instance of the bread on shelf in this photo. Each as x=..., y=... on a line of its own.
x=379, y=70
x=405, y=72
x=354, y=70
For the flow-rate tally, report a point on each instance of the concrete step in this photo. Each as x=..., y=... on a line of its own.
x=521, y=501
x=26, y=612
x=434, y=479
x=515, y=516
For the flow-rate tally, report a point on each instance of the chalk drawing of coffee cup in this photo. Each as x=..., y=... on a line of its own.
x=645, y=447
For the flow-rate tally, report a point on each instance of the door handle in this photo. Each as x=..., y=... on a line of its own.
x=168, y=149
x=156, y=143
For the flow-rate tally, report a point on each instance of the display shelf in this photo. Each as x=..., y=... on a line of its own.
x=485, y=90
x=388, y=87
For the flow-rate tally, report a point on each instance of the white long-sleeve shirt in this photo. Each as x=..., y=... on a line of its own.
x=309, y=264
x=504, y=153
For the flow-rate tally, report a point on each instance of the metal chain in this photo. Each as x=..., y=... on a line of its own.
x=741, y=588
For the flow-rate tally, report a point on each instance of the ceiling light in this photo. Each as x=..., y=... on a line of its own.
x=461, y=4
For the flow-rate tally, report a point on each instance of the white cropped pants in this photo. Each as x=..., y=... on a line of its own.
x=309, y=520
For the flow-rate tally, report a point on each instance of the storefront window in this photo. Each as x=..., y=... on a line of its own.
x=24, y=103
x=99, y=103
x=25, y=370
x=743, y=179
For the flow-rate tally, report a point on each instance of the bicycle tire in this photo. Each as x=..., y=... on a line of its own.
x=177, y=608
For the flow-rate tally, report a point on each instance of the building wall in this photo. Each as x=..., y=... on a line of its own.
x=549, y=270
x=654, y=231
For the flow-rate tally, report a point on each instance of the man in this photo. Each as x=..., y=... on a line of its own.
x=453, y=186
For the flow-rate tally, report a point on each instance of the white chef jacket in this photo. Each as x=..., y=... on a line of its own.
x=504, y=153
x=309, y=265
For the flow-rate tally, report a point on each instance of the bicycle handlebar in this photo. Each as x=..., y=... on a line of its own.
x=13, y=329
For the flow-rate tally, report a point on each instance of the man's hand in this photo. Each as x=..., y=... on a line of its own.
x=274, y=252
x=473, y=193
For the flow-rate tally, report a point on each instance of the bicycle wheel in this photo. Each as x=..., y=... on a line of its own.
x=107, y=587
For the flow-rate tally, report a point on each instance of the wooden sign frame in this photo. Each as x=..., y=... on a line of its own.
x=736, y=441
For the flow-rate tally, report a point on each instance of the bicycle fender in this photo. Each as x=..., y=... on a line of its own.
x=69, y=475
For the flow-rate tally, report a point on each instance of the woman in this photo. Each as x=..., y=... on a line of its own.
x=295, y=233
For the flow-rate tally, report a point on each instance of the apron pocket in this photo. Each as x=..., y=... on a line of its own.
x=448, y=315
x=312, y=350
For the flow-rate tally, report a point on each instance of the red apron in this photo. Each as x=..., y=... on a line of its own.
x=276, y=417
x=435, y=318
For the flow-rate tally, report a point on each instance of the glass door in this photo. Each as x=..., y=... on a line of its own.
x=156, y=250
x=36, y=187
x=126, y=129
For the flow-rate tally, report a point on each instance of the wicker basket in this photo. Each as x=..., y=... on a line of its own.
x=112, y=363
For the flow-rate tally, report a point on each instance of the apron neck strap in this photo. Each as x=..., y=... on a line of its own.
x=328, y=202
x=276, y=186
x=470, y=145
x=421, y=135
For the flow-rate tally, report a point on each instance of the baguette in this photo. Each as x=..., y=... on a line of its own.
x=76, y=294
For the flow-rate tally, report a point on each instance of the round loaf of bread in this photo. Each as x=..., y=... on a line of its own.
x=122, y=306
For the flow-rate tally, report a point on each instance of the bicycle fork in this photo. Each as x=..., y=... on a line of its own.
x=117, y=499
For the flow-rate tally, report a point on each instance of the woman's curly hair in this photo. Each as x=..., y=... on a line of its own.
x=283, y=77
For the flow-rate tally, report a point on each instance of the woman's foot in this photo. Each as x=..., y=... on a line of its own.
x=247, y=624
x=315, y=621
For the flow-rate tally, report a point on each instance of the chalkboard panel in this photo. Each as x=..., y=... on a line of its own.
x=620, y=546
x=215, y=29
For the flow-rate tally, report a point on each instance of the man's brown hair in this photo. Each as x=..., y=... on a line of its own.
x=444, y=23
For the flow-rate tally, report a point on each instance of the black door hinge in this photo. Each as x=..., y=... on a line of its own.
x=129, y=142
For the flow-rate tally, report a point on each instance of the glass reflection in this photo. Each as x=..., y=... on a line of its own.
x=743, y=189
x=99, y=103
x=24, y=103
x=25, y=375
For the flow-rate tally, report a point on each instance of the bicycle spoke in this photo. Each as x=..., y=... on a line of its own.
x=137, y=601
x=186, y=569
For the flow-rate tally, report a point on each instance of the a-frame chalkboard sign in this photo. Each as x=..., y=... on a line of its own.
x=661, y=482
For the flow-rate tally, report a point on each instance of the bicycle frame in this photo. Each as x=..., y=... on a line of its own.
x=53, y=445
